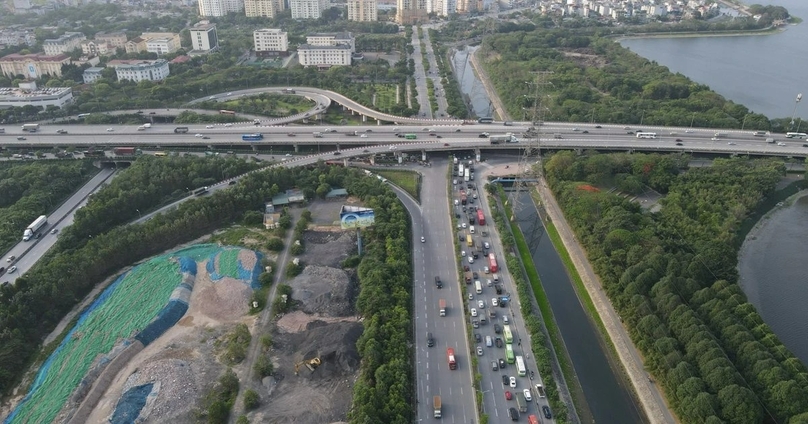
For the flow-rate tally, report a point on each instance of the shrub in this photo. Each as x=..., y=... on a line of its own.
x=251, y=399
x=274, y=244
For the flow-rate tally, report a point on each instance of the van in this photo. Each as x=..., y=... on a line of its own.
x=496, y=277
x=488, y=341
x=770, y=140
x=482, y=319
x=471, y=229
x=505, y=319
x=430, y=341
x=494, y=366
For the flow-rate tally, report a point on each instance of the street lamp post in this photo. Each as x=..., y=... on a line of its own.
x=744, y=121
x=794, y=113
x=693, y=118
x=138, y=214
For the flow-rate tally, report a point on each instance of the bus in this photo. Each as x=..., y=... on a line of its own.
x=506, y=332
x=796, y=135
x=410, y=136
x=469, y=241
x=227, y=112
x=252, y=137
x=82, y=115
x=646, y=135
x=478, y=287
x=520, y=366
x=160, y=154
x=509, y=353
x=486, y=120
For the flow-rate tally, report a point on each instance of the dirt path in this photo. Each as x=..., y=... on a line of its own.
x=255, y=344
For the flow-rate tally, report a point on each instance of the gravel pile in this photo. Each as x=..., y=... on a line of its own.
x=333, y=343
x=175, y=384
x=225, y=300
x=247, y=258
x=324, y=290
x=328, y=248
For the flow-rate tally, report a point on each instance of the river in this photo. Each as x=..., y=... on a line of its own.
x=764, y=73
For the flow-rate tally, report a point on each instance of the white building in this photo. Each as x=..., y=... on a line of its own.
x=363, y=10
x=263, y=8
x=219, y=7
x=140, y=70
x=29, y=95
x=162, y=46
x=204, y=37
x=324, y=39
x=324, y=56
x=270, y=40
x=64, y=44
x=92, y=75
x=307, y=9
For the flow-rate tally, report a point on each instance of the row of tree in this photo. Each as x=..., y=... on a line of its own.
x=672, y=277
x=457, y=105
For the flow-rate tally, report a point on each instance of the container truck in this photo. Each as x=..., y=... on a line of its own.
x=34, y=227
x=124, y=151
x=30, y=127
x=180, y=130
x=521, y=404
x=492, y=263
x=436, y=405
x=442, y=306
x=480, y=217
x=450, y=356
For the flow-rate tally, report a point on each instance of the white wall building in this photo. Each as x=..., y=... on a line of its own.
x=64, y=44
x=270, y=40
x=263, y=8
x=140, y=70
x=162, y=46
x=307, y=9
x=363, y=10
x=324, y=56
x=29, y=95
x=219, y=7
x=324, y=39
x=204, y=37
x=92, y=75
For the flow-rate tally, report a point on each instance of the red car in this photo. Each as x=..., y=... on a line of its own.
x=508, y=395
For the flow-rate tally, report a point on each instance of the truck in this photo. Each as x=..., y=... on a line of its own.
x=436, y=405
x=503, y=138
x=721, y=134
x=318, y=134
x=480, y=217
x=466, y=175
x=521, y=404
x=34, y=227
x=450, y=356
x=442, y=306
x=492, y=262
x=124, y=151
x=461, y=169
x=468, y=277
x=180, y=130
x=540, y=390
x=30, y=127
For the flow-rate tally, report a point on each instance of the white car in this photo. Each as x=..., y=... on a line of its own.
x=423, y=240
x=486, y=270
x=395, y=129
x=486, y=245
x=479, y=351
x=229, y=94
x=12, y=269
x=198, y=135
x=731, y=143
x=512, y=381
x=576, y=129
x=11, y=258
x=462, y=253
x=528, y=397
x=471, y=296
x=110, y=129
x=228, y=124
x=473, y=310
x=494, y=301
x=208, y=126
x=474, y=196
x=715, y=139
x=463, y=225
x=471, y=259
x=781, y=144
x=363, y=136
x=481, y=304
x=391, y=147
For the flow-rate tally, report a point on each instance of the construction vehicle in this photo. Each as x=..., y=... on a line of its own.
x=436, y=404
x=311, y=364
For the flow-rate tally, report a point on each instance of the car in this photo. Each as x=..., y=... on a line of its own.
x=486, y=270
x=471, y=259
x=395, y=130
x=514, y=414
x=629, y=132
x=110, y=129
x=502, y=366
x=233, y=182
x=474, y=196
x=805, y=145
x=546, y=410
x=781, y=144
x=229, y=94
x=679, y=139
x=140, y=111
x=205, y=138
x=475, y=323
x=715, y=139
x=391, y=148
x=152, y=113
x=424, y=129
x=486, y=245
x=198, y=135
x=60, y=131
x=432, y=134
x=498, y=341
x=423, y=239
x=363, y=136
x=598, y=126
x=54, y=231
x=473, y=312
x=445, y=144
x=12, y=269
x=3, y=269
x=479, y=351
x=481, y=304
x=493, y=363
x=291, y=135
x=366, y=151
x=439, y=136
x=228, y=125
x=679, y=144
x=475, y=275
x=457, y=130
x=11, y=258
x=368, y=130
x=504, y=377
x=454, y=182
x=732, y=144
x=337, y=153
x=505, y=318
x=576, y=129
x=463, y=225
x=494, y=302
x=584, y=132
x=466, y=268
x=512, y=381
x=477, y=337
x=471, y=296
x=528, y=397
x=212, y=97
x=288, y=155
x=208, y=126
x=20, y=138
x=626, y=128
x=508, y=395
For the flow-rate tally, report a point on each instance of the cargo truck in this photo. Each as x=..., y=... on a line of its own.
x=450, y=356
x=442, y=306
x=180, y=130
x=521, y=403
x=34, y=227
x=30, y=127
x=468, y=277
x=540, y=390
x=492, y=263
x=436, y=405
x=124, y=151
x=480, y=217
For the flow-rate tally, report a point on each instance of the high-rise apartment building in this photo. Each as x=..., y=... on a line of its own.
x=363, y=10
x=410, y=12
x=219, y=7
x=263, y=8
x=204, y=37
x=307, y=9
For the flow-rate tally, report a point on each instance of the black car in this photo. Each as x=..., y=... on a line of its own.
x=546, y=410
x=497, y=328
x=502, y=367
x=598, y=126
x=438, y=282
x=584, y=132
x=337, y=153
x=498, y=341
x=505, y=379
x=805, y=145
x=478, y=337
x=2, y=269
x=475, y=275
x=232, y=182
x=678, y=139
x=498, y=288
x=514, y=414
x=679, y=144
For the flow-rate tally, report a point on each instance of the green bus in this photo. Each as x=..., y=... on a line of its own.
x=506, y=331
x=509, y=353
x=410, y=136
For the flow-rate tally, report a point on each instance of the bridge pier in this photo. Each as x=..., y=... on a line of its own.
x=364, y=118
x=297, y=148
x=337, y=146
x=373, y=159
x=423, y=155
x=345, y=162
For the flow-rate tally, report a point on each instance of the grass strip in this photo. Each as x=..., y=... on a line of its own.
x=407, y=180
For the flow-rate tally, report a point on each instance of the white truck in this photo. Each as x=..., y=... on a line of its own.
x=34, y=227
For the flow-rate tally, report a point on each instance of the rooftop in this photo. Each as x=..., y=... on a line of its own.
x=39, y=57
x=13, y=92
x=335, y=35
x=337, y=47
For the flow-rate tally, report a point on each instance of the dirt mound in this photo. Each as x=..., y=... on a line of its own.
x=324, y=290
x=333, y=343
x=328, y=248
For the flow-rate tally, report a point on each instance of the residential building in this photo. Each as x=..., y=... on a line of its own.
x=219, y=7
x=307, y=9
x=64, y=44
x=140, y=70
x=154, y=42
x=204, y=37
x=10, y=37
x=135, y=45
x=96, y=48
x=115, y=39
x=162, y=46
x=331, y=39
x=91, y=75
x=324, y=56
x=410, y=12
x=363, y=10
x=263, y=8
x=33, y=66
x=270, y=40
x=27, y=94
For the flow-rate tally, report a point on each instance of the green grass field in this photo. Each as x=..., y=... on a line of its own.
x=407, y=180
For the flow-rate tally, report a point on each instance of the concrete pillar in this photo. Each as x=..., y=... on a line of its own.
x=378, y=122
x=423, y=155
x=373, y=159
x=345, y=162
x=400, y=159
x=337, y=146
x=297, y=148
x=364, y=118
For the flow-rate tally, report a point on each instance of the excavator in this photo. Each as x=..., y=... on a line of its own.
x=311, y=364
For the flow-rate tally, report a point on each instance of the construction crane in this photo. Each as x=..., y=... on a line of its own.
x=311, y=364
